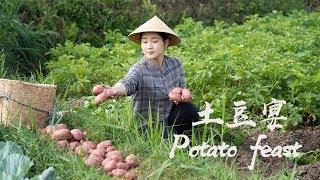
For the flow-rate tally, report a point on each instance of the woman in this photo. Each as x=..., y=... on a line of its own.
x=151, y=79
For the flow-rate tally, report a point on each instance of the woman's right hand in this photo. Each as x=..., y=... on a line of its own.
x=97, y=89
x=103, y=92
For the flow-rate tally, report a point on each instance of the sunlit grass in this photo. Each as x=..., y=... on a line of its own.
x=114, y=120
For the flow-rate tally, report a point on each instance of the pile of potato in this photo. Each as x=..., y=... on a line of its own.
x=103, y=154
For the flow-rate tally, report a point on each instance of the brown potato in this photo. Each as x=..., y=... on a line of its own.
x=49, y=129
x=61, y=134
x=175, y=97
x=186, y=95
x=101, y=97
x=123, y=165
x=88, y=145
x=73, y=145
x=109, y=165
x=94, y=160
x=106, y=94
x=97, y=89
x=98, y=152
x=132, y=160
x=130, y=176
x=81, y=151
x=63, y=144
x=117, y=158
x=60, y=126
x=177, y=90
x=118, y=172
x=105, y=161
x=104, y=144
x=111, y=153
x=77, y=134
x=111, y=148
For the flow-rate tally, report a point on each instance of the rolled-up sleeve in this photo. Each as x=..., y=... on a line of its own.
x=132, y=79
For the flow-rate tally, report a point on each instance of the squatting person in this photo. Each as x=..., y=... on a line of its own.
x=153, y=77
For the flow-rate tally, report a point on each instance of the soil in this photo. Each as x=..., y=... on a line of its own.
x=308, y=137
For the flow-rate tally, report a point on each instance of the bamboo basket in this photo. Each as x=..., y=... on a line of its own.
x=26, y=102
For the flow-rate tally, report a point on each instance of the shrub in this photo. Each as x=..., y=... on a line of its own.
x=76, y=68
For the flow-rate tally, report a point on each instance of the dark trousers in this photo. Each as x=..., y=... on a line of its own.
x=181, y=117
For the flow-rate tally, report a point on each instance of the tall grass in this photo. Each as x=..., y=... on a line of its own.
x=114, y=120
x=23, y=47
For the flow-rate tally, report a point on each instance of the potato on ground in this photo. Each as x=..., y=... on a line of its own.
x=63, y=144
x=88, y=145
x=77, y=134
x=98, y=152
x=109, y=165
x=73, y=145
x=104, y=144
x=60, y=126
x=93, y=160
x=61, y=134
x=81, y=151
x=132, y=160
x=118, y=172
x=111, y=148
x=49, y=129
x=130, y=176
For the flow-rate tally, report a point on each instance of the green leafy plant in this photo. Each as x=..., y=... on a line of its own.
x=77, y=67
x=14, y=165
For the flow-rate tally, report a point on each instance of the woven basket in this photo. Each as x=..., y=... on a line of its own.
x=26, y=102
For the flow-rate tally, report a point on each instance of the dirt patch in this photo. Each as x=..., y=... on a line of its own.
x=310, y=171
x=308, y=137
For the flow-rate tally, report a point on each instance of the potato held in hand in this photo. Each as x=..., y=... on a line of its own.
x=186, y=95
x=177, y=90
x=106, y=94
x=175, y=97
x=97, y=89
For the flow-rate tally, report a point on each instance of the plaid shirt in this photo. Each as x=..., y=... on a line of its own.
x=150, y=85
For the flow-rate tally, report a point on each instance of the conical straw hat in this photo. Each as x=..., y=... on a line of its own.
x=154, y=25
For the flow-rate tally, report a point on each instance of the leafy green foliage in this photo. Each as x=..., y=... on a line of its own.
x=76, y=68
x=264, y=58
x=85, y=21
x=14, y=165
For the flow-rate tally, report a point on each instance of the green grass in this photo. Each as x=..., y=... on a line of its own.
x=251, y=51
x=113, y=120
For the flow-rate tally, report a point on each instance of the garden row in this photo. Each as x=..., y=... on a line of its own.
x=264, y=58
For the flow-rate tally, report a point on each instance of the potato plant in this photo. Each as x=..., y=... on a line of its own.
x=263, y=58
